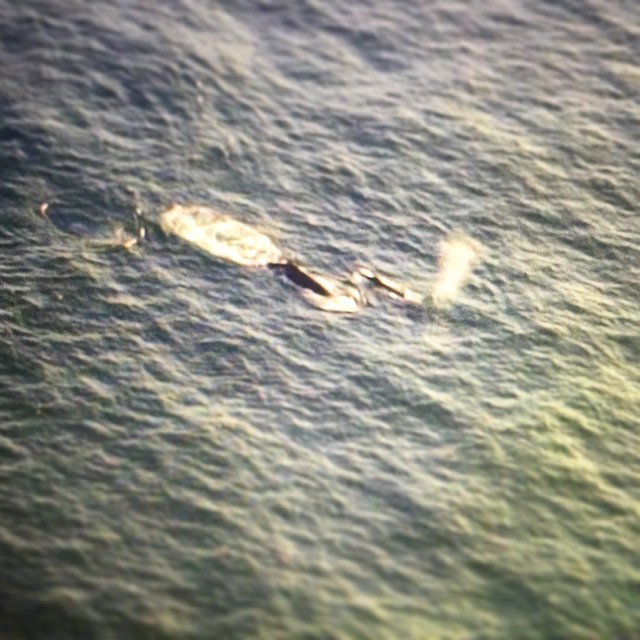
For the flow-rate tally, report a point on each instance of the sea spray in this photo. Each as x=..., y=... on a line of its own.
x=457, y=256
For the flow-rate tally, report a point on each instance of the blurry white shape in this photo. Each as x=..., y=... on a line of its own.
x=412, y=296
x=457, y=256
x=220, y=235
x=341, y=300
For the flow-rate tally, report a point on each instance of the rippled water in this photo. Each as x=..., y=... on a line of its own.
x=188, y=450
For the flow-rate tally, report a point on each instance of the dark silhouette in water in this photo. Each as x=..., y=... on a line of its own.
x=396, y=289
x=299, y=276
x=382, y=282
x=320, y=286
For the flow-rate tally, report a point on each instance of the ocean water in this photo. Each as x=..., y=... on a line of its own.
x=188, y=450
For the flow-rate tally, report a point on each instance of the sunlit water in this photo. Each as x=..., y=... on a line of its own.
x=189, y=450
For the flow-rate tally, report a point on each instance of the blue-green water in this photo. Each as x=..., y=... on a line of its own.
x=187, y=450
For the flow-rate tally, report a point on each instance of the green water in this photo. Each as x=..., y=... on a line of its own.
x=188, y=450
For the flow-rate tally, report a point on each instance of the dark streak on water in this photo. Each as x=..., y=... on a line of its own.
x=188, y=451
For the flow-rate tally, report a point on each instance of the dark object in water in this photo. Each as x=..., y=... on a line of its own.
x=300, y=276
x=381, y=281
x=396, y=289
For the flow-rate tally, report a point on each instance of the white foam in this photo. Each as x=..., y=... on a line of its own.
x=220, y=235
x=347, y=300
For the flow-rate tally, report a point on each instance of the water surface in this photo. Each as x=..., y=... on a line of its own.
x=188, y=450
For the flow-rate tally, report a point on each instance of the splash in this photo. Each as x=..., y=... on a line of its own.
x=457, y=256
x=220, y=235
